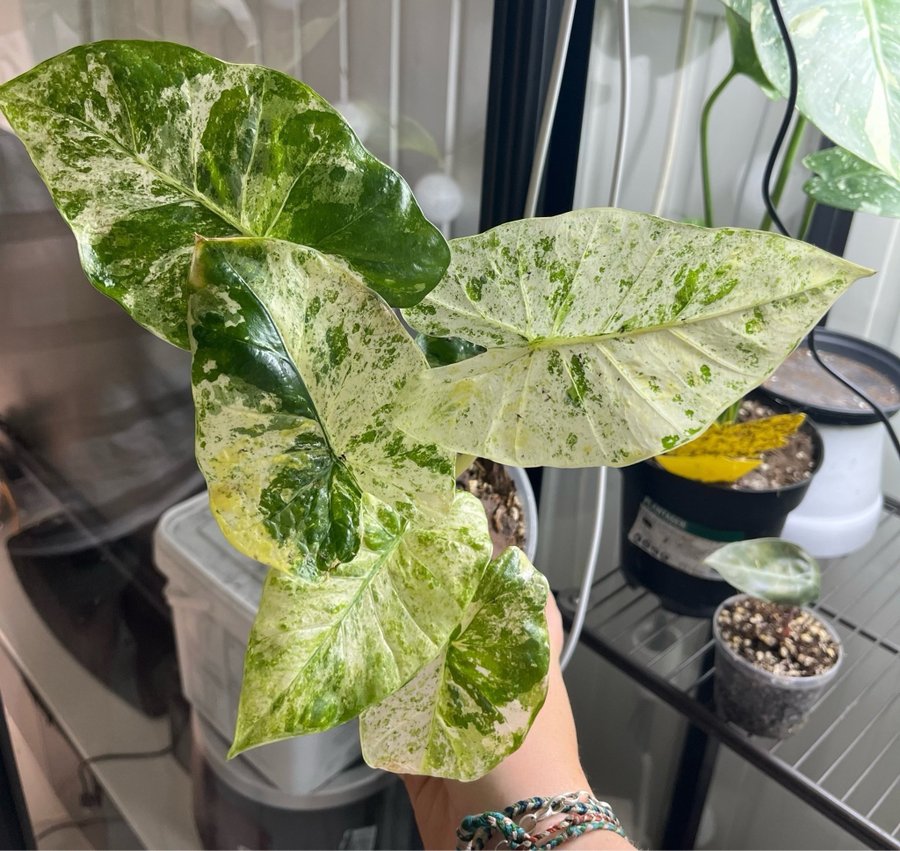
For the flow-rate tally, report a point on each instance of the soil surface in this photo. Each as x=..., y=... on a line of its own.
x=783, y=640
x=791, y=464
x=497, y=492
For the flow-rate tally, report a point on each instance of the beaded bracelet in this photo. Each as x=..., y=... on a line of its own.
x=583, y=812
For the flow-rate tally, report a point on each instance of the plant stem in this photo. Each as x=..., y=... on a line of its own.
x=808, y=211
x=730, y=414
x=786, y=163
x=704, y=146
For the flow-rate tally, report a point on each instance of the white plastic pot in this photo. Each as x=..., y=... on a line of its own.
x=841, y=509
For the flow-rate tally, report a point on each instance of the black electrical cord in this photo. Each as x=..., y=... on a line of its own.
x=879, y=411
x=89, y=795
x=785, y=122
x=79, y=822
x=773, y=213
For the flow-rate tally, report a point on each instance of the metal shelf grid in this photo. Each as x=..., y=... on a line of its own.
x=845, y=761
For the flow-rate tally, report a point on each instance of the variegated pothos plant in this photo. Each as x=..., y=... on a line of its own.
x=231, y=211
x=848, y=69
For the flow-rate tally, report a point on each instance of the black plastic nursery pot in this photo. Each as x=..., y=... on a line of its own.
x=670, y=524
x=759, y=701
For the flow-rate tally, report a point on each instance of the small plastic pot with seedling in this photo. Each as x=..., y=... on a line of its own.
x=774, y=656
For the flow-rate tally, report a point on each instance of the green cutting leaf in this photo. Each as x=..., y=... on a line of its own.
x=143, y=145
x=770, y=568
x=473, y=704
x=848, y=63
x=611, y=336
x=322, y=651
x=296, y=367
x=848, y=183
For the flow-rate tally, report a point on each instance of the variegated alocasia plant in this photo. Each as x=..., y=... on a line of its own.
x=231, y=211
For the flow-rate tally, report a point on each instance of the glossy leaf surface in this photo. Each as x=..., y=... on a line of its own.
x=611, y=336
x=770, y=568
x=296, y=365
x=322, y=651
x=442, y=351
x=145, y=144
x=848, y=183
x=708, y=468
x=473, y=704
x=848, y=56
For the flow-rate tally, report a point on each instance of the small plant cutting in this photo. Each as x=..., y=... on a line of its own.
x=231, y=211
x=774, y=658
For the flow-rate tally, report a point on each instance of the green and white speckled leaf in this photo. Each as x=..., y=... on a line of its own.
x=844, y=181
x=145, y=144
x=322, y=651
x=474, y=703
x=611, y=336
x=848, y=62
x=296, y=366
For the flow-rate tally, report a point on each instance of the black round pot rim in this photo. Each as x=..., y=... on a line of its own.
x=818, y=447
x=779, y=679
x=862, y=351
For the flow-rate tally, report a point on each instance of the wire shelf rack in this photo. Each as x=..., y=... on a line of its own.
x=845, y=761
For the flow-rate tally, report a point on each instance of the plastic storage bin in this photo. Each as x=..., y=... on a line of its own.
x=214, y=592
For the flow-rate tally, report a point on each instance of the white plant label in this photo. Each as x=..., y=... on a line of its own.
x=675, y=541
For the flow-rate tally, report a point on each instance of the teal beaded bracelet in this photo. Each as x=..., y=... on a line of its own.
x=583, y=813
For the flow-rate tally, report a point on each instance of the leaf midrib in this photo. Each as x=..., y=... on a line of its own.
x=332, y=630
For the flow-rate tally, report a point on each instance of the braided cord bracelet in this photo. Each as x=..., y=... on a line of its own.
x=583, y=813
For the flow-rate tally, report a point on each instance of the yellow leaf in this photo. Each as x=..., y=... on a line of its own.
x=708, y=468
x=742, y=440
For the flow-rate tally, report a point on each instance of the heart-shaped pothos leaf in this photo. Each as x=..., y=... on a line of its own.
x=847, y=182
x=473, y=704
x=296, y=366
x=847, y=60
x=611, y=336
x=322, y=651
x=145, y=144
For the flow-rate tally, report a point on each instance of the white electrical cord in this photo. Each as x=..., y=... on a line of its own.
x=554, y=84
x=684, y=48
x=624, y=99
x=590, y=567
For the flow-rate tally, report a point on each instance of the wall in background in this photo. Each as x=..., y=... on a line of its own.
x=415, y=72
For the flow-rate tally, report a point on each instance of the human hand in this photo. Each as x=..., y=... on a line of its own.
x=546, y=764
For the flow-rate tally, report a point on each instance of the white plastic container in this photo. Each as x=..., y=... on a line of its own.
x=214, y=592
x=843, y=505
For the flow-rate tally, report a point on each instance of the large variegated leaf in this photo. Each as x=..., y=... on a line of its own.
x=612, y=336
x=847, y=182
x=296, y=366
x=145, y=144
x=848, y=62
x=473, y=704
x=322, y=651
